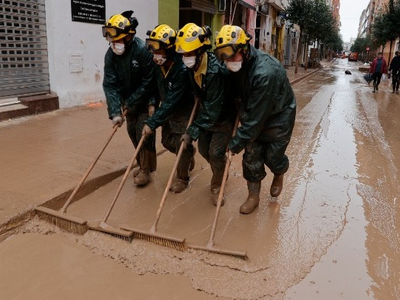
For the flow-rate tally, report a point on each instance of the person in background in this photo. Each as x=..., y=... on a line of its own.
x=394, y=69
x=378, y=67
x=176, y=98
x=267, y=111
x=217, y=113
x=129, y=84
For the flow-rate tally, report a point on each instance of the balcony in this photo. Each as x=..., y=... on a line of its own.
x=279, y=5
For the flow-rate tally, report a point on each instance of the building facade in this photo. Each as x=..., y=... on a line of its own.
x=48, y=47
x=373, y=9
x=56, y=47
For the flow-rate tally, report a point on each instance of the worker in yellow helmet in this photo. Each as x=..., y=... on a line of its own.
x=267, y=111
x=176, y=98
x=129, y=83
x=214, y=122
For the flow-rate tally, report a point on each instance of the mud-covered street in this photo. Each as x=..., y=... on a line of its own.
x=333, y=233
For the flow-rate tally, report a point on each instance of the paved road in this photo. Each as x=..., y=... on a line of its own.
x=332, y=234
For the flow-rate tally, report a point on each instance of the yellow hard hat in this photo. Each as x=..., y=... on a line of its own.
x=192, y=37
x=229, y=40
x=119, y=26
x=161, y=37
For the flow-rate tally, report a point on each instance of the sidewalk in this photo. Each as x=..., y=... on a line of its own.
x=43, y=157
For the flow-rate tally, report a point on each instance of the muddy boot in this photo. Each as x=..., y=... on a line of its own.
x=216, y=181
x=192, y=161
x=253, y=199
x=192, y=164
x=215, y=195
x=178, y=185
x=181, y=180
x=142, y=178
x=136, y=172
x=276, y=185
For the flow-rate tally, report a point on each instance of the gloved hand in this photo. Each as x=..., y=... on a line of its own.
x=117, y=120
x=234, y=146
x=187, y=139
x=146, y=131
x=151, y=110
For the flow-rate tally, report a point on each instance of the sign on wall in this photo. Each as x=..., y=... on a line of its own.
x=88, y=11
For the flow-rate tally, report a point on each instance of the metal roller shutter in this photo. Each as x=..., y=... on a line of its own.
x=23, y=45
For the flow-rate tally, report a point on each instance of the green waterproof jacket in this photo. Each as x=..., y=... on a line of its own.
x=129, y=78
x=267, y=107
x=217, y=109
x=175, y=93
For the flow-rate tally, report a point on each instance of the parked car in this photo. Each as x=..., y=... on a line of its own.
x=353, y=56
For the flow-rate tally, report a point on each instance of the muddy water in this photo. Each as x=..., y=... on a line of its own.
x=332, y=234
x=354, y=167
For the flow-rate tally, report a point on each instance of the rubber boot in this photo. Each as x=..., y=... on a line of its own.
x=148, y=162
x=178, y=185
x=216, y=181
x=276, y=185
x=253, y=199
x=192, y=164
x=181, y=181
x=215, y=195
x=136, y=172
x=142, y=178
x=192, y=161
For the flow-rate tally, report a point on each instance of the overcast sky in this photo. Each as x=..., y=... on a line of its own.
x=350, y=12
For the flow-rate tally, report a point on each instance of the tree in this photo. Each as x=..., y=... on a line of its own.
x=316, y=23
x=386, y=26
x=334, y=41
x=361, y=44
x=298, y=12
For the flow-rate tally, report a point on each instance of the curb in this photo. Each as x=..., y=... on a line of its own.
x=296, y=80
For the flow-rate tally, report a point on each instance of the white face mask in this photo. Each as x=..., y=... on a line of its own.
x=234, y=66
x=118, y=48
x=189, y=61
x=159, y=59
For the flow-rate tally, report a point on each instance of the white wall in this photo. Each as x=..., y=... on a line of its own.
x=84, y=43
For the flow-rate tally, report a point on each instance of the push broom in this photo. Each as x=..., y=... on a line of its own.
x=102, y=224
x=60, y=218
x=210, y=244
x=152, y=235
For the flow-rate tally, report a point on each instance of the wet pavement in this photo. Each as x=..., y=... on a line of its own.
x=332, y=234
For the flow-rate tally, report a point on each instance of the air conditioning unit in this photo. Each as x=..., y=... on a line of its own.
x=259, y=2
